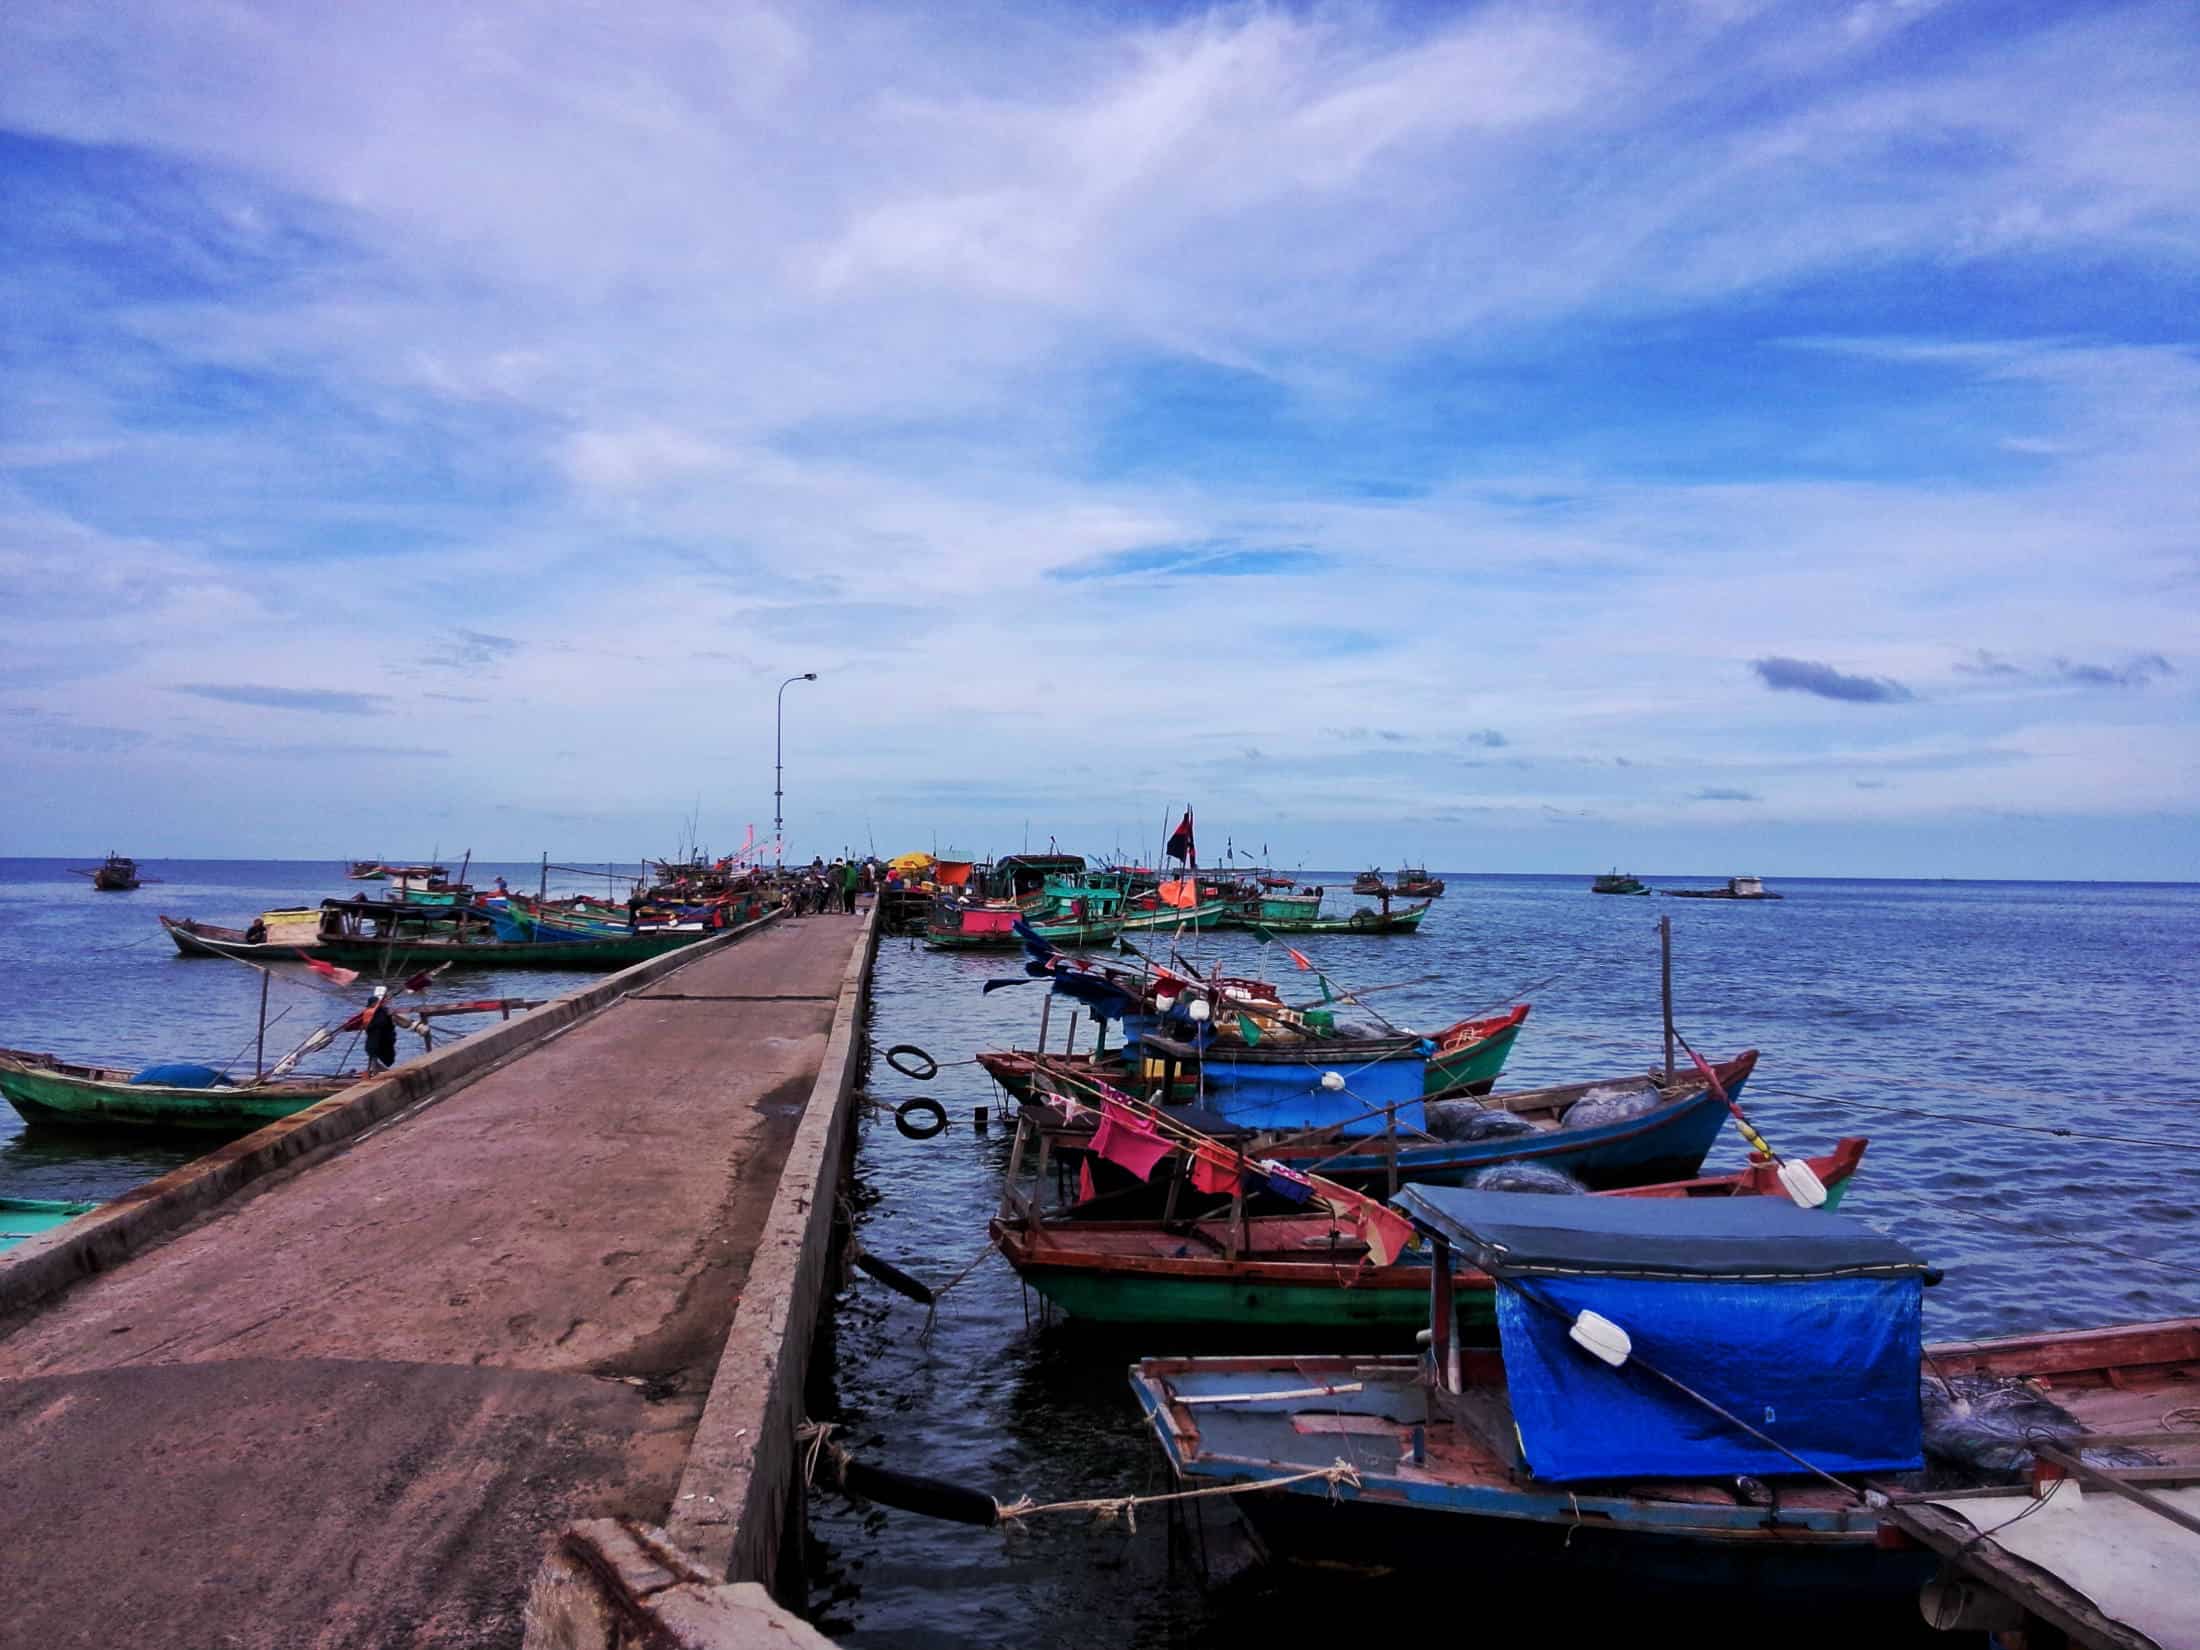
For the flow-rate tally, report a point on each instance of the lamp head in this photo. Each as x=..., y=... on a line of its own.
x=809, y=675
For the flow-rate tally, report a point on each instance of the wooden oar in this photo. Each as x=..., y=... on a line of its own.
x=1797, y=1178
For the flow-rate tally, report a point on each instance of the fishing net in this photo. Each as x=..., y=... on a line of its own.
x=1988, y=1424
x=1465, y=1120
x=1609, y=1105
x=1526, y=1177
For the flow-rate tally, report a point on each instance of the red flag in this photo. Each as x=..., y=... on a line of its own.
x=1126, y=1139
x=1085, y=1189
x=1181, y=845
x=1210, y=1176
x=329, y=971
x=1298, y=957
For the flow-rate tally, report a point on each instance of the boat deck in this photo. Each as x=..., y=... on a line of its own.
x=350, y=1408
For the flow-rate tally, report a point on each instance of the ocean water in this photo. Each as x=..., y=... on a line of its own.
x=92, y=977
x=2043, y=1030
x=2021, y=1055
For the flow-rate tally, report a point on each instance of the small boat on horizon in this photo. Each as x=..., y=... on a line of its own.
x=117, y=874
x=1736, y=888
x=1618, y=882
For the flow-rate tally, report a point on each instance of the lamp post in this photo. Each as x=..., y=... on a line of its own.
x=779, y=772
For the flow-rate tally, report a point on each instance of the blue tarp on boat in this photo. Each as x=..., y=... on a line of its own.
x=1801, y=1323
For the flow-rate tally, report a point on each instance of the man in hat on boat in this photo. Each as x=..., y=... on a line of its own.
x=381, y=1032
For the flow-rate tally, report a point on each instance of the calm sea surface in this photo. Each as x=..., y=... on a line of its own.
x=92, y=977
x=2057, y=1007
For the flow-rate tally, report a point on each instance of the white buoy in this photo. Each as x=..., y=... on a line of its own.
x=1601, y=1337
x=1333, y=1081
x=1200, y=1009
x=1801, y=1183
x=1164, y=1004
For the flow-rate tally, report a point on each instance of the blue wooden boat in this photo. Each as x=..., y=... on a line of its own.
x=23, y=1218
x=1795, y=1329
x=1283, y=1087
x=1667, y=1141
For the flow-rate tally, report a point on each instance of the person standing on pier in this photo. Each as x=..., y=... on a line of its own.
x=381, y=1032
x=850, y=875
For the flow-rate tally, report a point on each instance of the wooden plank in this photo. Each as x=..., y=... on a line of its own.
x=2041, y=1592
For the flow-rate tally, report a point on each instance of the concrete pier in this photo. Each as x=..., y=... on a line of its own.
x=356, y=1401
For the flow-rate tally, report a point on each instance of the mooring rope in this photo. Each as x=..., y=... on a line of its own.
x=932, y=1312
x=1106, y=1509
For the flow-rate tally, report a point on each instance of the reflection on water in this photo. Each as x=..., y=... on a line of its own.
x=2049, y=1005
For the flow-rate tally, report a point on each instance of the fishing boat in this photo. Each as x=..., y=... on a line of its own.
x=1356, y=1087
x=1306, y=1273
x=1468, y=1057
x=1661, y=1364
x=1366, y=920
x=282, y=935
x=1268, y=907
x=176, y=1098
x=956, y=927
x=1414, y=882
x=23, y=1218
x=1641, y=1130
x=1370, y=882
x=402, y=954
x=117, y=874
x=1618, y=882
x=1736, y=888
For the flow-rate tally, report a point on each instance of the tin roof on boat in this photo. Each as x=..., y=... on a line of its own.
x=1681, y=1237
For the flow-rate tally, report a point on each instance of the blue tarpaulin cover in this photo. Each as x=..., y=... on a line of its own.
x=180, y=1077
x=1804, y=1324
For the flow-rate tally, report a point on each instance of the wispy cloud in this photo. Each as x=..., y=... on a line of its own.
x=2136, y=673
x=323, y=701
x=1813, y=677
x=1189, y=560
x=1723, y=793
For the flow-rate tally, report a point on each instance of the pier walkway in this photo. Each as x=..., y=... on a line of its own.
x=350, y=1406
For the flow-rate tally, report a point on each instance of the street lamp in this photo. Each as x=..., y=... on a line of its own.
x=779, y=772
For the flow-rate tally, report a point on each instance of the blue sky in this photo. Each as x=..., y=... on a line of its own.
x=1691, y=436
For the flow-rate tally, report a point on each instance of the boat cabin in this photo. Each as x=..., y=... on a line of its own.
x=1019, y=876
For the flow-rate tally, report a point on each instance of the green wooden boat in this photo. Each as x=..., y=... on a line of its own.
x=52, y=1093
x=1366, y=920
x=1290, y=1273
x=403, y=955
x=22, y=1218
x=1206, y=914
x=1618, y=882
x=1268, y=909
x=1470, y=1055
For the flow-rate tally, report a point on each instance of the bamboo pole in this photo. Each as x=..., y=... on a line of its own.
x=259, y=1050
x=1665, y=970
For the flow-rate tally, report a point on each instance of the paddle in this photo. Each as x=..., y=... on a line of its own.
x=1796, y=1177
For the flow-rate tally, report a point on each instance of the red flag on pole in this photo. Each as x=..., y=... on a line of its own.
x=329, y=971
x=1181, y=845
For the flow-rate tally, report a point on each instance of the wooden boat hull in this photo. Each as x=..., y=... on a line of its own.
x=50, y=1094
x=1359, y=922
x=1125, y=1272
x=1069, y=936
x=1207, y=914
x=23, y=1218
x=198, y=939
x=1473, y=1066
x=403, y=956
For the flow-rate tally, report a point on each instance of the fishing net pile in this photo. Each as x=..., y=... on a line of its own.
x=1988, y=1425
x=1468, y=1120
x=1615, y=1103
x=1526, y=1177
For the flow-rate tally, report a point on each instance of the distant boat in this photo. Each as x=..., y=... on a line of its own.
x=1416, y=883
x=117, y=875
x=1363, y=921
x=1618, y=882
x=1736, y=888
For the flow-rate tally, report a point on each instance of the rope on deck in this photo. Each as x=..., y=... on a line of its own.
x=1106, y=1509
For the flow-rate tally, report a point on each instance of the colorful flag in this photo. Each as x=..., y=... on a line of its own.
x=1288, y=1184
x=1086, y=1192
x=1298, y=957
x=1128, y=1140
x=1211, y=1176
x=1181, y=845
x=1182, y=893
x=1248, y=1029
x=329, y=971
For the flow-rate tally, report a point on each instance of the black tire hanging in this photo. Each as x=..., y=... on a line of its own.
x=908, y=1115
x=929, y=1069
